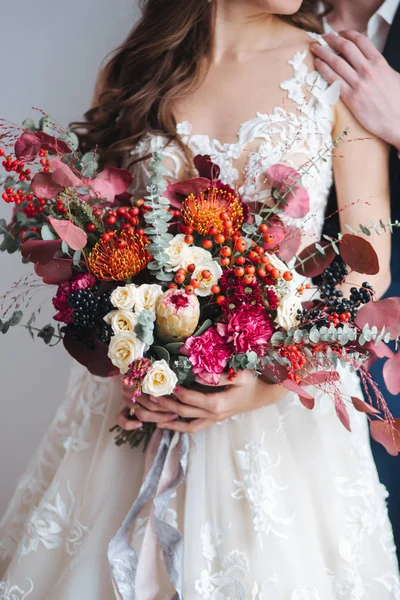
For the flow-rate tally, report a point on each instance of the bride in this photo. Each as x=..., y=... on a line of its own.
x=279, y=502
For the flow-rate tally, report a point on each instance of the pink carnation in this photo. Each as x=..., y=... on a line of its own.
x=65, y=289
x=208, y=354
x=249, y=329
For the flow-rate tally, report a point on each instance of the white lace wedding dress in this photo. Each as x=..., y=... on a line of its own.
x=281, y=503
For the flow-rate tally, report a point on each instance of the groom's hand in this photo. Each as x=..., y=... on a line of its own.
x=369, y=86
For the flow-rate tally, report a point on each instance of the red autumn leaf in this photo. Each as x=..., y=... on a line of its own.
x=364, y=407
x=52, y=144
x=177, y=192
x=43, y=186
x=274, y=373
x=54, y=272
x=386, y=434
x=74, y=236
x=315, y=263
x=27, y=147
x=63, y=175
x=342, y=413
x=120, y=179
x=391, y=374
x=206, y=167
x=383, y=313
x=290, y=244
x=95, y=358
x=306, y=399
x=321, y=377
x=281, y=178
x=359, y=254
x=40, y=251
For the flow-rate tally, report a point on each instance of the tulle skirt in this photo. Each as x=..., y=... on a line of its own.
x=281, y=503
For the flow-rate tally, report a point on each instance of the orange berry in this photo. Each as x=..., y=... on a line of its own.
x=261, y=272
x=275, y=273
x=259, y=249
x=219, y=238
x=191, y=267
x=224, y=262
x=268, y=238
x=207, y=244
x=288, y=276
x=250, y=269
x=228, y=224
x=253, y=256
x=226, y=251
x=189, y=289
x=183, y=271
x=172, y=286
x=263, y=228
x=221, y=300
x=179, y=278
x=215, y=289
x=213, y=230
x=240, y=260
x=224, y=216
x=195, y=282
x=240, y=244
x=264, y=259
x=206, y=274
x=269, y=268
x=248, y=279
x=308, y=286
x=239, y=271
x=189, y=239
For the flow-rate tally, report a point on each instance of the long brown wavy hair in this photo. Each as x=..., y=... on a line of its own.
x=161, y=59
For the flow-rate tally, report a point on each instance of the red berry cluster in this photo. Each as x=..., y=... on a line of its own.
x=15, y=166
x=184, y=276
x=298, y=361
x=337, y=319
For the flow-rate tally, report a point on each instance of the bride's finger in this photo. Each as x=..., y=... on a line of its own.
x=149, y=416
x=150, y=404
x=183, y=410
x=123, y=421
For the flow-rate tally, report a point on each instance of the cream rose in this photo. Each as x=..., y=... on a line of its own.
x=160, y=380
x=124, y=348
x=176, y=251
x=121, y=320
x=124, y=297
x=147, y=296
x=286, y=316
x=206, y=283
x=195, y=256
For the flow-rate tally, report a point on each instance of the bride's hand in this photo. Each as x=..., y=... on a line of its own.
x=146, y=411
x=245, y=393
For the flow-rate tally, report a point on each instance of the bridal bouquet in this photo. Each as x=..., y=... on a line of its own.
x=190, y=282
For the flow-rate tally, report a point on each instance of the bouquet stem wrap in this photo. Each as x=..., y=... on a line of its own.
x=166, y=473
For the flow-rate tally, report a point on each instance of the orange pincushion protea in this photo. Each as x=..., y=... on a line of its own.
x=121, y=256
x=204, y=210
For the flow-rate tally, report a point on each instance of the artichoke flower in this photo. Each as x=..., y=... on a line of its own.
x=177, y=315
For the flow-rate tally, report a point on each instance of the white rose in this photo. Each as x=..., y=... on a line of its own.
x=121, y=320
x=194, y=256
x=286, y=316
x=176, y=251
x=206, y=283
x=146, y=297
x=160, y=380
x=124, y=297
x=277, y=263
x=125, y=348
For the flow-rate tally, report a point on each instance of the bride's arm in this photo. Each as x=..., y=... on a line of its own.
x=361, y=172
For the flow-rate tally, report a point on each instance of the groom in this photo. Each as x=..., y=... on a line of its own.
x=370, y=86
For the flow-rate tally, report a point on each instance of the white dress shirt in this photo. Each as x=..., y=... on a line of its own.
x=379, y=24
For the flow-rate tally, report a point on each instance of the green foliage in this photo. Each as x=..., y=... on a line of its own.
x=249, y=360
x=46, y=333
x=157, y=219
x=144, y=328
x=183, y=370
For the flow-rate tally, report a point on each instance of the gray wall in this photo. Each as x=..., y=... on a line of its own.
x=55, y=50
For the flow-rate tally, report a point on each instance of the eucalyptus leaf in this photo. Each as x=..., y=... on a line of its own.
x=173, y=347
x=29, y=124
x=206, y=325
x=5, y=327
x=46, y=233
x=71, y=139
x=16, y=317
x=46, y=333
x=161, y=352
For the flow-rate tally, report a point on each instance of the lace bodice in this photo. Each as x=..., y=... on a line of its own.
x=297, y=134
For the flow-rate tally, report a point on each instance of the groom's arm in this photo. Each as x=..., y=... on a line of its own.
x=369, y=86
